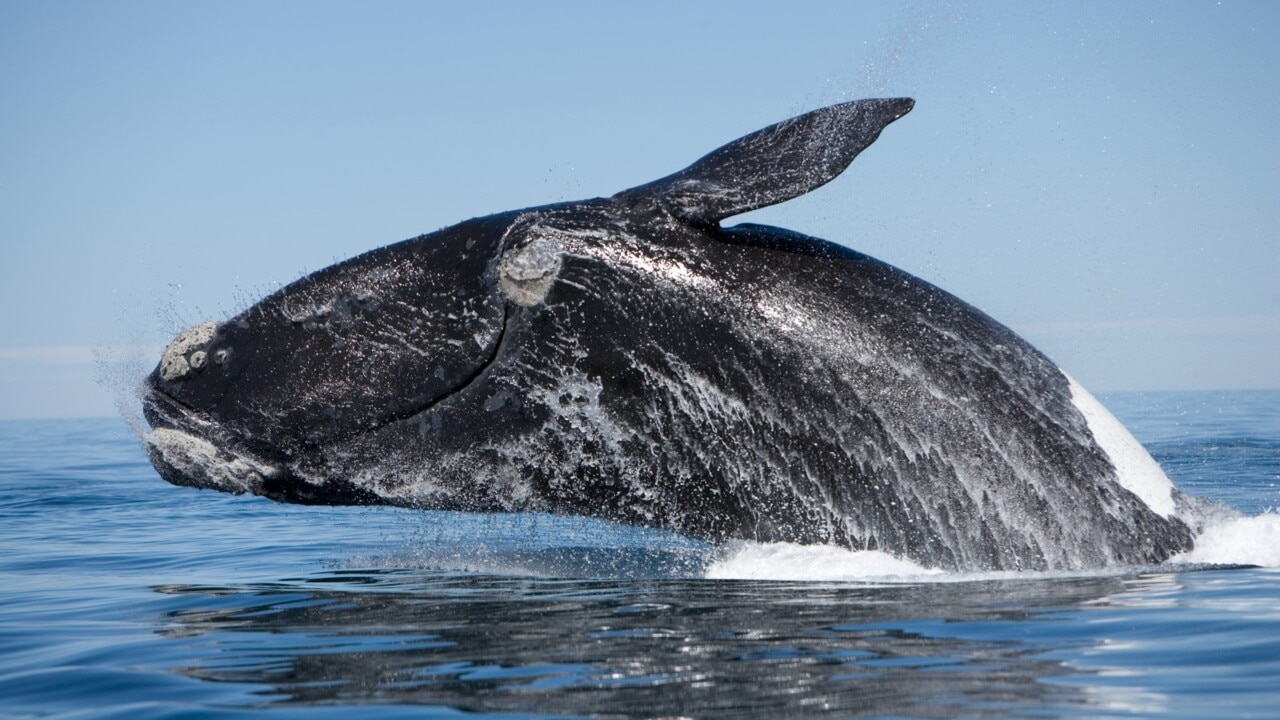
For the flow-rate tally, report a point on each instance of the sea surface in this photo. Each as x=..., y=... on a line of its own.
x=123, y=596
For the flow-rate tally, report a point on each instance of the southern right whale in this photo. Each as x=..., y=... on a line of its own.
x=631, y=359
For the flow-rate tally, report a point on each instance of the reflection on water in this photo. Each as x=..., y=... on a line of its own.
x=652, y=648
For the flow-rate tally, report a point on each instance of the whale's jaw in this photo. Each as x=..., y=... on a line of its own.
x=191, y=450
x=185, y=459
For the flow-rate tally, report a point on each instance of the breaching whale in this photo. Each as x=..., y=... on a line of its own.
x=629, y=358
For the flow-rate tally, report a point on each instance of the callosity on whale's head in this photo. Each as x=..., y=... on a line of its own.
x=628, y=358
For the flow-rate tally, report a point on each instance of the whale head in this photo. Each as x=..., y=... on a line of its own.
x=353, y=347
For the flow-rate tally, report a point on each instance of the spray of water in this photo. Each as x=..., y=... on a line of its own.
x=895, y=62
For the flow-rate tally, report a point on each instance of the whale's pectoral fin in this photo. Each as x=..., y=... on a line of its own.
x=769, y=166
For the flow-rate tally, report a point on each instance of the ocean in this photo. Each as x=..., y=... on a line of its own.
x=123, y=596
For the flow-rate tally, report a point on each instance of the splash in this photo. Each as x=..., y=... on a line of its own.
x=788, y=561
x=1226, y=540
x=911, y=47
x=1253, y=540
x=121, y=370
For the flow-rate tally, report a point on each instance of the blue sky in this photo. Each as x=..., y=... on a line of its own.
x=1100, y=176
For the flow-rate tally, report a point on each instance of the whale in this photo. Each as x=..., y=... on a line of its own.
x=634, y=359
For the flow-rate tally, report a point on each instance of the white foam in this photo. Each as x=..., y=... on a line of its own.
x=1230, y=540
x=788, y=561
x=1238, y=541
x=1136, y=470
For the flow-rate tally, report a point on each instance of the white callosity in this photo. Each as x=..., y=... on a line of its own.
x=179, y=359
x=527, y=274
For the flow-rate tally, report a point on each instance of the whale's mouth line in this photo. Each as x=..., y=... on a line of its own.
x=434, y=402
x=166, y=412
x=190, y=448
